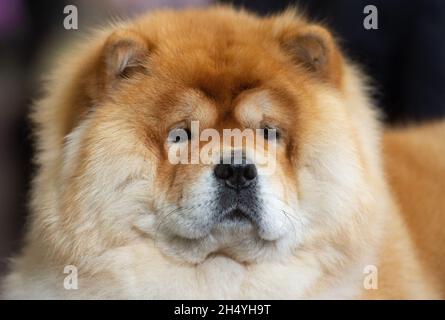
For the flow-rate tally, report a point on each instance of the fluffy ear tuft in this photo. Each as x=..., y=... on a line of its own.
x=313, y=47
x=125, y=53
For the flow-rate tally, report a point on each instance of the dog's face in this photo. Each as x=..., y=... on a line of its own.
x=153, y=81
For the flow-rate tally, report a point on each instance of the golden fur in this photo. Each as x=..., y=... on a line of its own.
x=104, y=189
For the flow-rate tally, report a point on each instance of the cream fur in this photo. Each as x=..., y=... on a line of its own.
x=347, y=216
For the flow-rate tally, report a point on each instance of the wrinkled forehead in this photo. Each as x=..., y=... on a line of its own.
x=249, y=109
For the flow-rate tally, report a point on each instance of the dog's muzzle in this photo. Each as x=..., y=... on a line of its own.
x=237, y=185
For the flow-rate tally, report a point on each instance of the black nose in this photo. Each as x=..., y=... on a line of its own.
x=236, y=176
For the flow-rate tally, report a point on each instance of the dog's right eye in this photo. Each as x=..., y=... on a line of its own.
x=179, y=135
x=270, y=133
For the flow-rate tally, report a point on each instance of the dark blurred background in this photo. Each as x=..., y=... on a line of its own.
x=405, y=58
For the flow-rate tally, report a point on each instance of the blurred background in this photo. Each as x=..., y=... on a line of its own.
x=405, y=58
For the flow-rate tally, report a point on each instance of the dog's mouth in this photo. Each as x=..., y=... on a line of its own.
x=240, y=225
x=237, y=231
x=237, y=215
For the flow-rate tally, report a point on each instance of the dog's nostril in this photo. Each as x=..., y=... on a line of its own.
x=236, y=176
x=223, y=171
x=250, y=172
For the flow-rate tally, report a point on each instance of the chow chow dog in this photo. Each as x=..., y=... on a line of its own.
x=351, y=210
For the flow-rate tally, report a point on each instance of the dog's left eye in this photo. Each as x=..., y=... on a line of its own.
x=178, y=135
x=270, y=133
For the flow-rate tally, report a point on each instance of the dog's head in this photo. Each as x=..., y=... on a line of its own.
x=172, y=83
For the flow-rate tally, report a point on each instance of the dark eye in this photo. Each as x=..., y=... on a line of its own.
x=271, y=133
x=179, y=135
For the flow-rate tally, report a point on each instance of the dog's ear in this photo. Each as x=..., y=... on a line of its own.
x=125, y=54
x=313, y=47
